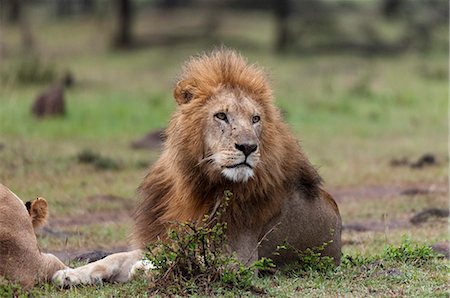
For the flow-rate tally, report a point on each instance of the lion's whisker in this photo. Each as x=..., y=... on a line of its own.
x=206, y=159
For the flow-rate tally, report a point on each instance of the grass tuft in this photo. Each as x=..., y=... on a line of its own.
x=310, y=259
x=98, y=161
x=409, y=252
x=32, y=70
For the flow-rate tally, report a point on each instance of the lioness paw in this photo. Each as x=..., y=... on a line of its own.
x=141, y=265
x=72, y=277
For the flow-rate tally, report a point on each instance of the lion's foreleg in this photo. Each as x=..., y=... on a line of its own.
x=119, y=267
x=245, y=245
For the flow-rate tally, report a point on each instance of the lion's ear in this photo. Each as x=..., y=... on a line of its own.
x=184, y=92
x=38, y=211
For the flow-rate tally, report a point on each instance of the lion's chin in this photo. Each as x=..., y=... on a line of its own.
x=239, y=174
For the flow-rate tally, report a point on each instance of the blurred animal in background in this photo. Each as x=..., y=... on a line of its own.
x=51, y=102
x=20, y=258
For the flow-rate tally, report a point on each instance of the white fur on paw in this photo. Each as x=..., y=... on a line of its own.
x=66, y=278
x=141, y=265
x=71, y=277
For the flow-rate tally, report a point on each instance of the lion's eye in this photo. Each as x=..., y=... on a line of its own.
x=256, y=119
x=221, y=116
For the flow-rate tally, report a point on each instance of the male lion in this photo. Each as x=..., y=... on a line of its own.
x=226, y=134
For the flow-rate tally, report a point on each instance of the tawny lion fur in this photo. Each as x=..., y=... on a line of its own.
x=224, y=112
x=38, y=210
x=20, y=258
x=178, y=190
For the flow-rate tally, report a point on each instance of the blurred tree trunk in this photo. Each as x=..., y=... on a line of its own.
x=87, y=6
x=282, y=11
x=71, y=7
x=168, y=4
x=14, y=10
x=17, y=15
x=26, y=33
x=64, y=8
x=391, y=8
x=124, y=37
x=212, y=18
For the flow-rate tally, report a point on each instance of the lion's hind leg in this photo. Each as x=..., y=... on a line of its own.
x=118, y=267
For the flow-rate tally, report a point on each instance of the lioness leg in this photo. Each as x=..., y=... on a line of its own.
x=119, y=267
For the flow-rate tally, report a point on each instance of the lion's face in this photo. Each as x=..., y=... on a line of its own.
x=232, y=135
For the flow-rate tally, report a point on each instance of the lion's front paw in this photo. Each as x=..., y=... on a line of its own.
x=66, y=278
x=71, y=277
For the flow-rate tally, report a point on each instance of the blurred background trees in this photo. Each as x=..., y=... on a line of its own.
x=298, y=25
x=370, y=27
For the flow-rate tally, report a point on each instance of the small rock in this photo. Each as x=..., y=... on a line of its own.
x=415, y=192
x=424, y=215
x=442, y=248
x=427, y=159
x=393, y=272
x=152, y=140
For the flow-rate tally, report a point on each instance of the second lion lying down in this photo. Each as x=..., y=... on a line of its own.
x=226, y=134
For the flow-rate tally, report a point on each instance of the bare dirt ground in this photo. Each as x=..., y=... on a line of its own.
x=60, y=227
x=365, y=193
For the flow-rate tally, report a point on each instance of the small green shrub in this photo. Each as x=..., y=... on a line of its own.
x=106, y=163
x=8, y=289
x=87, y=156
x=348, y=261
x=409, y=252
x=32, y=70
x=98, y=161
x=310, y=259
x=194, y=260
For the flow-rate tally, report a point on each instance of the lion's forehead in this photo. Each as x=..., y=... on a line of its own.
x=236, y=103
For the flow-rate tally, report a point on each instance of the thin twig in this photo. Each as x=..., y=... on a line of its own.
x=262, y=239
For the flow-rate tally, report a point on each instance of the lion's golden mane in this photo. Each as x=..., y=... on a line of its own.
x=178, y=188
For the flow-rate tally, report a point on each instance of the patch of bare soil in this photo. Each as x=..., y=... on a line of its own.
x=121, y=214
x=376, y=225
x=402, y=223
x=57, y=227
x=342, y=194
x=90, y=218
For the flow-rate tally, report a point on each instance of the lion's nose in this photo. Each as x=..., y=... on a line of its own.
x=247, y=149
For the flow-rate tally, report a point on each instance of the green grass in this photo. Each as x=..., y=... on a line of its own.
x=353, y=114
x=406, y=269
